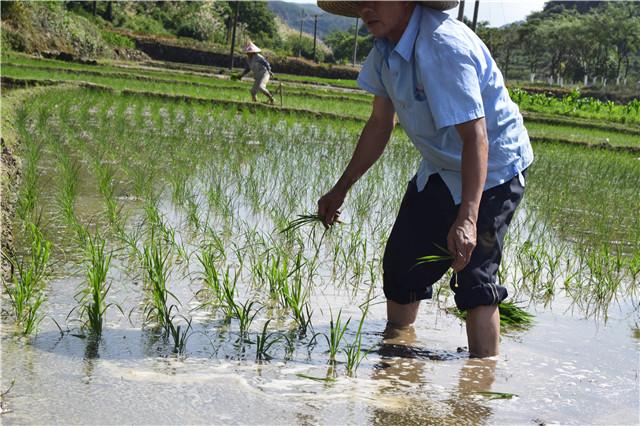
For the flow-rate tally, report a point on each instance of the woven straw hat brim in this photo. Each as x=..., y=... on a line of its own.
x=349, y=8
x=251, y=48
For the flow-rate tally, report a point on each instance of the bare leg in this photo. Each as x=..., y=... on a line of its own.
x=267, y=94
x=401, y=316
x=483, y=331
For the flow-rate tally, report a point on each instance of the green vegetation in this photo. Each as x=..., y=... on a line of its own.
x=192, y=192
x=570, y=119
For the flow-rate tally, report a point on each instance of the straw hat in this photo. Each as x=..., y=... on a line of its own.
x=251, y=48
x=349, y=8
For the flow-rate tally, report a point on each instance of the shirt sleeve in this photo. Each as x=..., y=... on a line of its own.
x=450, y=76
x=369, y=77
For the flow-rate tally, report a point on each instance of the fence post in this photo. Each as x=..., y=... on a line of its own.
x=233, y=36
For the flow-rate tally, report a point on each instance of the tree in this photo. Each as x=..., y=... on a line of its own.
x=259, y=20
x=342, y=44
x=618, y=25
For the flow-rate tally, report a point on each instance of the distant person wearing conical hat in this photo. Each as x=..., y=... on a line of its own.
x=261, y=69
x=440, y=79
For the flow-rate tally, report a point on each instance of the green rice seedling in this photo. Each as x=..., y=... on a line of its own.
x=275, y=271
x=157, y=272
x=512, y=317
x=93, y=297
x=336, y=333
x=68, y=191
x=179, y=334
x=28, y=197
x=25, y=297
x=245, y=314
x=353, y=351
x=295, y=298
x=209, y=274
x=192, y=212
x=26, y=294
x=265, y=340
x=228, y=295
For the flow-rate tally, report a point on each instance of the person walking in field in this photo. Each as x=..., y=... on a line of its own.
x=450, y=98
x=261, y=69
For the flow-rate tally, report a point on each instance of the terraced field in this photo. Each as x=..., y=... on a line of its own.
x=157, y=277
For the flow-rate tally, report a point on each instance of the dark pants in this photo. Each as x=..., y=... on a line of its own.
x=421, y=229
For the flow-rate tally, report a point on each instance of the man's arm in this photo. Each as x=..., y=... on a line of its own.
x=462, y=236
x=371, y=145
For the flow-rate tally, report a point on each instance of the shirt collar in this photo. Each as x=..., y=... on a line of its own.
x=408, y=39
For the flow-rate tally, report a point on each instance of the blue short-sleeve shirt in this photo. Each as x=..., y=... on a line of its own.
x=441, y=74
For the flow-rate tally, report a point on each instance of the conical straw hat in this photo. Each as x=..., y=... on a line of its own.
x=251, y=48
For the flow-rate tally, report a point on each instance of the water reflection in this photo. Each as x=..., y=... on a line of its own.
x=402, y=365
x=467, y=406
x=91, y=354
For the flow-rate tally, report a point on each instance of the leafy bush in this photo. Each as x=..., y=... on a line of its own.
x=202, y=25
x=144, y=24
x=117, y=40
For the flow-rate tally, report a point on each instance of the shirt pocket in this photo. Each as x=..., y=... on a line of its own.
x=418, y=94
x=418, y=113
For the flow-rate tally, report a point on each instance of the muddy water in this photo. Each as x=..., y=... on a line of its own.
x=569, y=367
x=563, y=370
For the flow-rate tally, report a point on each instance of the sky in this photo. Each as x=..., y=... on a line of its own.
x=497, y=12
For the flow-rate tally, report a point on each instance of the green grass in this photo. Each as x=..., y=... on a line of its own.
x=583, y=135
x=296, y=95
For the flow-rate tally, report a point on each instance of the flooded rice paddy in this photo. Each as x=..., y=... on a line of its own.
x=195, y=197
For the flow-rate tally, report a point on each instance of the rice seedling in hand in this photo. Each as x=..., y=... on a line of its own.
x=512, y=317
x=434, y=257
x=302, y=220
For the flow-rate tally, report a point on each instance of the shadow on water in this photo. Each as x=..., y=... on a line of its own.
x=115, y=344
x=397, y=343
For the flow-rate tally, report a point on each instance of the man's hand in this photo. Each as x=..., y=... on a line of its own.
x=461, y=241
x=329, y=204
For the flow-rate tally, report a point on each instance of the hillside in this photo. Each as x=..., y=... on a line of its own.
x=290, y=13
